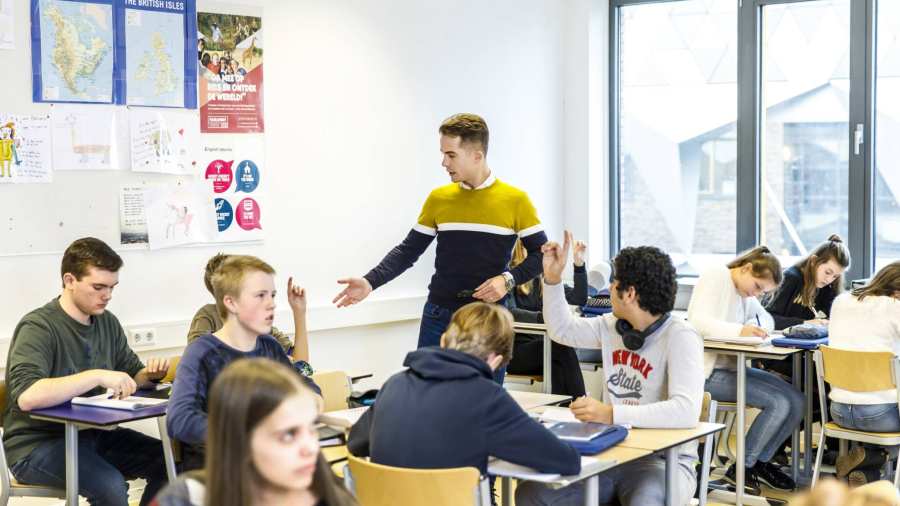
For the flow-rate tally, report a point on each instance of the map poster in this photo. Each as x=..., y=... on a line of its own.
x=25, y=149
x=160, y=68
x=236, y=167
x=230, y=50
x=73, y=51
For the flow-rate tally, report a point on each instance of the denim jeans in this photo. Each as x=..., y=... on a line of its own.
x=106, y=459
x=867, y=417
x=435, y=320
x=638, y=483
x=781, y=405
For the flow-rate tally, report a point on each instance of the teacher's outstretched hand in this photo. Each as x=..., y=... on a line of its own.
x=357, y=289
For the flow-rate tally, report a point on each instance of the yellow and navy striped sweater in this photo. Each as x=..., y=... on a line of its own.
x=476, y=230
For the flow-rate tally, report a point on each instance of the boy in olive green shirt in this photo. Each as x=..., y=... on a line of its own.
x=70, y=347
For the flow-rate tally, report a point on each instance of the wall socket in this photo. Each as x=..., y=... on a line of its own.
x=143, y=337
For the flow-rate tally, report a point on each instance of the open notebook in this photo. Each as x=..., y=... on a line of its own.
x=129, y=403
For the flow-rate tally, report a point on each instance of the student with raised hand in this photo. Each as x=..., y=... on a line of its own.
x=867, y=319
x=527, y=304
x=69, y=347
x=476, y=219
x=810, y=286
x=207, y=319
x=652, y=367
x=262, y=445
x=446, y=411
x=244, y=287
x=724, y=303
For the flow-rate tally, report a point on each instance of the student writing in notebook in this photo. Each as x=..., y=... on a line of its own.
x=652, y=365
x=207, y=320
x=73, y=346
x=262, y=445
x=245, y=296
x=445, y=410
x=724, y=303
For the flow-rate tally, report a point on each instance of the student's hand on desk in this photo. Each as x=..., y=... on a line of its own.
x=578, y=251
x=753, y=331
x=157, y=368
x=588, y=409
x=555, y=258
x=491, y=290
x=121, y=384
x=357, y=290
x=817, y=321
x=296, y=297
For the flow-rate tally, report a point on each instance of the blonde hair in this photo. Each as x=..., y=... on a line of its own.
x=764, y=264
x=885, y=283
x=519, y=254
x=228, y=278
x=480, y=329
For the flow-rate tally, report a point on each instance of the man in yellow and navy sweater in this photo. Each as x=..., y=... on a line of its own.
x=476, y=219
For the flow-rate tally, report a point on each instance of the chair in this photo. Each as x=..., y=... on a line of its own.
x=378, y=485
x=707, y=414
x=335, y=387
x=856, y=371
x=9, y=487
x=173, y=366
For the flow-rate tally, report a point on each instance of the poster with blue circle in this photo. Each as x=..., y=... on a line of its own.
x=224, y=214
x=247, y=176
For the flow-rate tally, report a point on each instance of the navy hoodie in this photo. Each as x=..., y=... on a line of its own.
x=447, y=411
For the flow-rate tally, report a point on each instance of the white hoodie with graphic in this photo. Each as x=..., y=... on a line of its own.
x=659, y=386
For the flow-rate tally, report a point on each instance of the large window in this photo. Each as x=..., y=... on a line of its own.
x=887, y=142
x=736, y=123
x=677, y=111
x=805, y=125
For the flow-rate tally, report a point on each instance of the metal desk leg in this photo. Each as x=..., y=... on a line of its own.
x=168, y=456
x=505, y=490
x=71, y=464
x=795, y=435
x=592, y=491
x=548, y=388
x=671, y=476
x=741, y=433
x=807, y=419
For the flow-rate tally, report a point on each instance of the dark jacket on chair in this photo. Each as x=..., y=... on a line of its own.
x=446, y=411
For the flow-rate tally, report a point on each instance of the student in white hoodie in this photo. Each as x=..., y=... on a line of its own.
x=653, y=368
x=867, y=319
x=724, y=303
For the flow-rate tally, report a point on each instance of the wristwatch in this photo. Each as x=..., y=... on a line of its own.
x=510, y=281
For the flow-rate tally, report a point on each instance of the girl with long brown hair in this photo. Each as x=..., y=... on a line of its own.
x=262, y=446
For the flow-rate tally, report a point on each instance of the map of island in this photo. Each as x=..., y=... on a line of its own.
x=154, y=56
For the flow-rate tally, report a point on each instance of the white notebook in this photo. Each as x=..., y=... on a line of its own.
x=342, y=418
x=130, y=403
x=744, y=340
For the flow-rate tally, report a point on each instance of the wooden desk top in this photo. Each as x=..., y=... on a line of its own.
x=622, y=454
x=531, y=400
x=776, y=352
x=335, y=453
x=654, y=440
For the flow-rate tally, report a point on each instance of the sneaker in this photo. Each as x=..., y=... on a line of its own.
x=859, y=456
x=773, y=477
x=862, y=476
x=751, y=483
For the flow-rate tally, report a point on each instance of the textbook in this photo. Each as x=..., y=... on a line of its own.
x=130, y=403
x=343, y=418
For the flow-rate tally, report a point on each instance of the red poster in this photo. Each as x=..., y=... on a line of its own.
x=230, y=50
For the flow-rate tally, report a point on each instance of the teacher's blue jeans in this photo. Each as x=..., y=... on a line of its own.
x=781, y=405
x=106, y=459
x=435, y=320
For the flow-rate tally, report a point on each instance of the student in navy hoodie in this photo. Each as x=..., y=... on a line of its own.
x=445, y=410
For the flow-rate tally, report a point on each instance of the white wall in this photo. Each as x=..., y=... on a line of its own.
x=355, y=90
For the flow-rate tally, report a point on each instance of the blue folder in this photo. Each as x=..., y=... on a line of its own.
x=804, y=344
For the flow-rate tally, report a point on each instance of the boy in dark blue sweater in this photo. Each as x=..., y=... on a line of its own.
x=446, y=411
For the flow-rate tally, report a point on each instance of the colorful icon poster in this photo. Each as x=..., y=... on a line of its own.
x=230, y=54
x=160, y=69
x=234, y=167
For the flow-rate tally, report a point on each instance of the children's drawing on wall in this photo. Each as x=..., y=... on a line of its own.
x=25, y=149
x=164, y=141
x=179, y=214
x=8, y=153
x=89, y=137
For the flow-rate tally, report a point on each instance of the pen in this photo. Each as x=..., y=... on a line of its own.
x=758, y=324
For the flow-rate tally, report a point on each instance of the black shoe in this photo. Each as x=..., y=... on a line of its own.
x=751, y=483
x=772, y=476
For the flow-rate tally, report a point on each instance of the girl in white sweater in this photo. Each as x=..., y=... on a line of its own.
x=724, y=303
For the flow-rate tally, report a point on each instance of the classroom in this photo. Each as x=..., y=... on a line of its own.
x=627, y=200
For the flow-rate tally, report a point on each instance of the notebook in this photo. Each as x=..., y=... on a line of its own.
x=343, y=418
x=130, y=403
